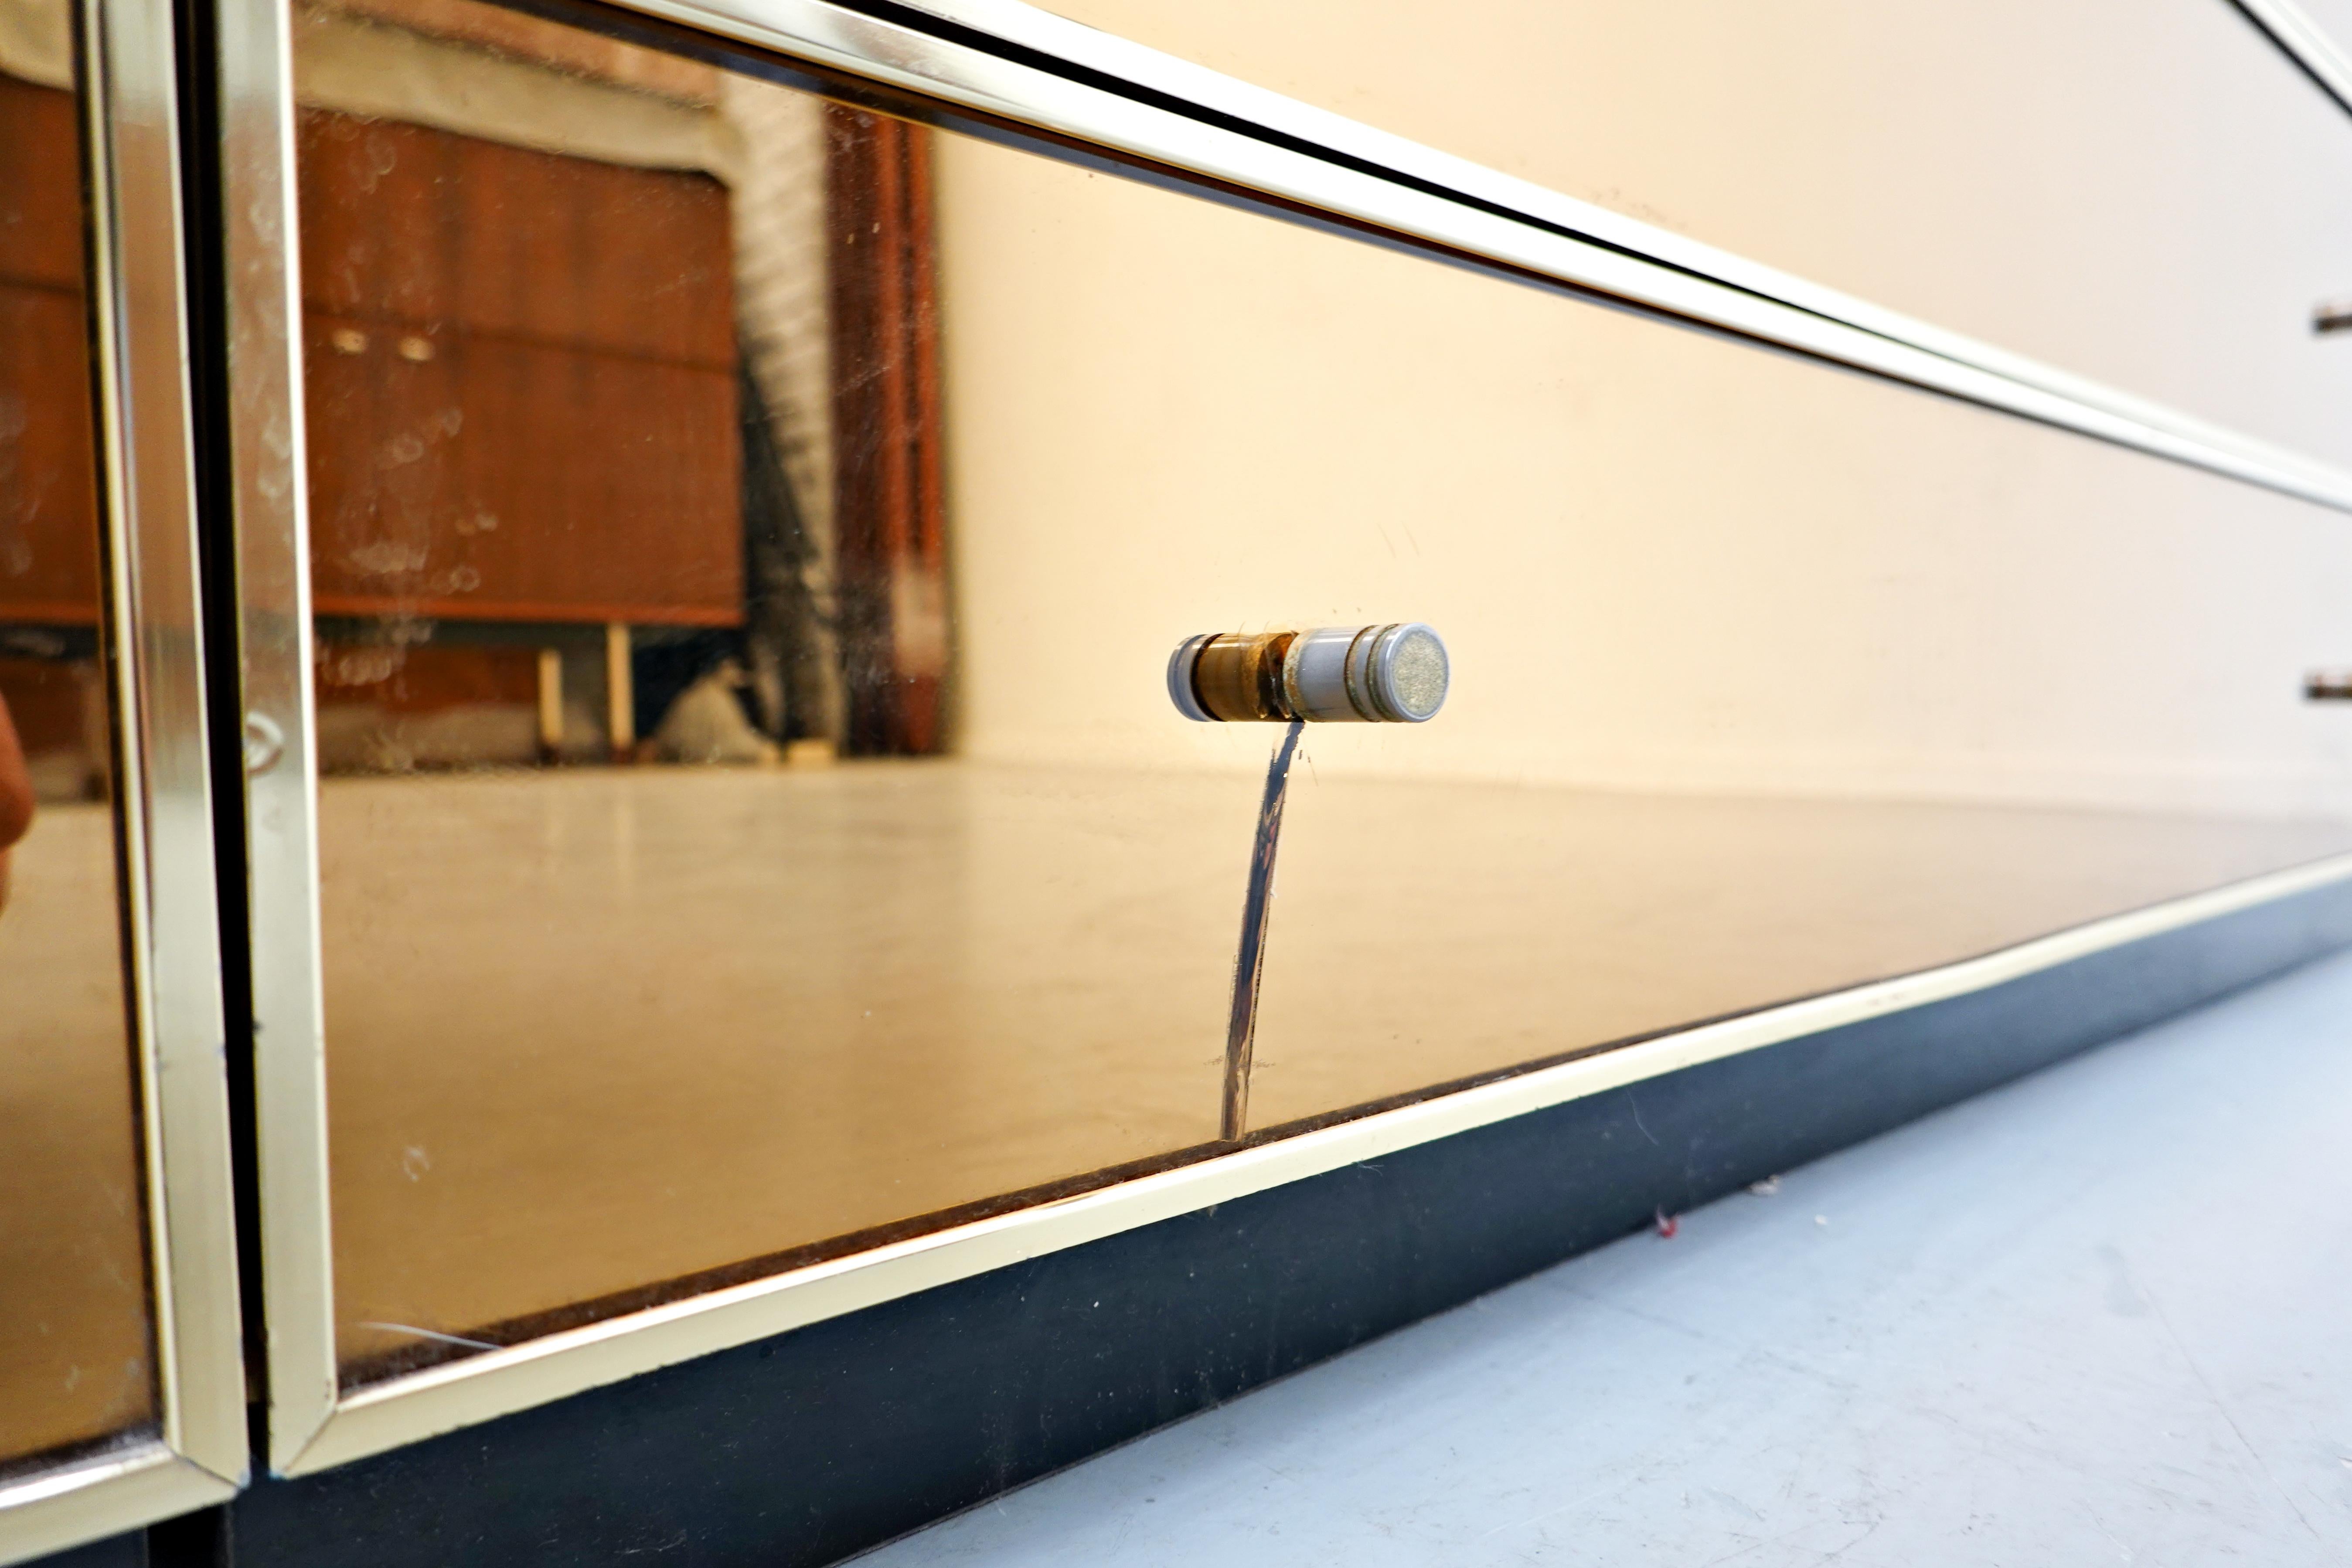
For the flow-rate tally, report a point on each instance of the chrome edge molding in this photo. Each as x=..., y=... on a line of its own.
x=2305, y=42
x=269, y=491
x=159, y=685
x=313, y=1426
x=140, y=338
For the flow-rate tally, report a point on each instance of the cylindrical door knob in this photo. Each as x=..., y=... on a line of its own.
x=1393, y=674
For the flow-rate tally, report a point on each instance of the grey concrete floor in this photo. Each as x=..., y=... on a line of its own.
x=2102, y=1315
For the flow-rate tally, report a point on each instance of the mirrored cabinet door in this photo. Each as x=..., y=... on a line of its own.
x=757, y=820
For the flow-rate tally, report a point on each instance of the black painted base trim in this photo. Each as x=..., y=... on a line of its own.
x=810, y=1447
x=115, y=1552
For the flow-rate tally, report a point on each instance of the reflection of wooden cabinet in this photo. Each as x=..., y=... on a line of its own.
x=48, y=487
x=522, y=395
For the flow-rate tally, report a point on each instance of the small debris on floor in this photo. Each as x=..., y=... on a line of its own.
x=1767, y=1188
x=1820, y=1219
x=1667, y=1224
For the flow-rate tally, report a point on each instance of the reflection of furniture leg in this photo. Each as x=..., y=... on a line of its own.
x=550, y=704
x=620, y=692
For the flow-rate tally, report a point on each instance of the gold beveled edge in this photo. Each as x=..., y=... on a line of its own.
x=312, y=1427
x=147, y=463
x=124, y=55
x=62, y=1508
x=480, y=1388
x=269, y=498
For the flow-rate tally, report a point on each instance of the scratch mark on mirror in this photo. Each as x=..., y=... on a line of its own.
x=436, y=1335
x=1249, y=961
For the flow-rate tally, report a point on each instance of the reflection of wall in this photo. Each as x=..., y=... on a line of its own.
x=2143, y=191
x=1663, y=561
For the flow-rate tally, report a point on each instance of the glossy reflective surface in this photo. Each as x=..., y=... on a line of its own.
x=1766, y=680
x=776, y=1008
x=2138, y=190
x=748, y=539
x=76, y=1363
x=627, y=545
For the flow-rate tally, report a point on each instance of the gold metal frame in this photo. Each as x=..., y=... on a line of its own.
x=1323, y=168
x=124, y=53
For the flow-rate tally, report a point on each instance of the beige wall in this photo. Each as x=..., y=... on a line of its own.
x=2144, y=191
x=1664, y=562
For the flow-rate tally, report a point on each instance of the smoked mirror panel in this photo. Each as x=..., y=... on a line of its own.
x=1768, y=681
x=748, y=535
x=670, y=933
x=76, y=1365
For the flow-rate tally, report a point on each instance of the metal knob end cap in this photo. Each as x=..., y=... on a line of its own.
x=1179, y=678
x=1393, y=674
x=1409, y=673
